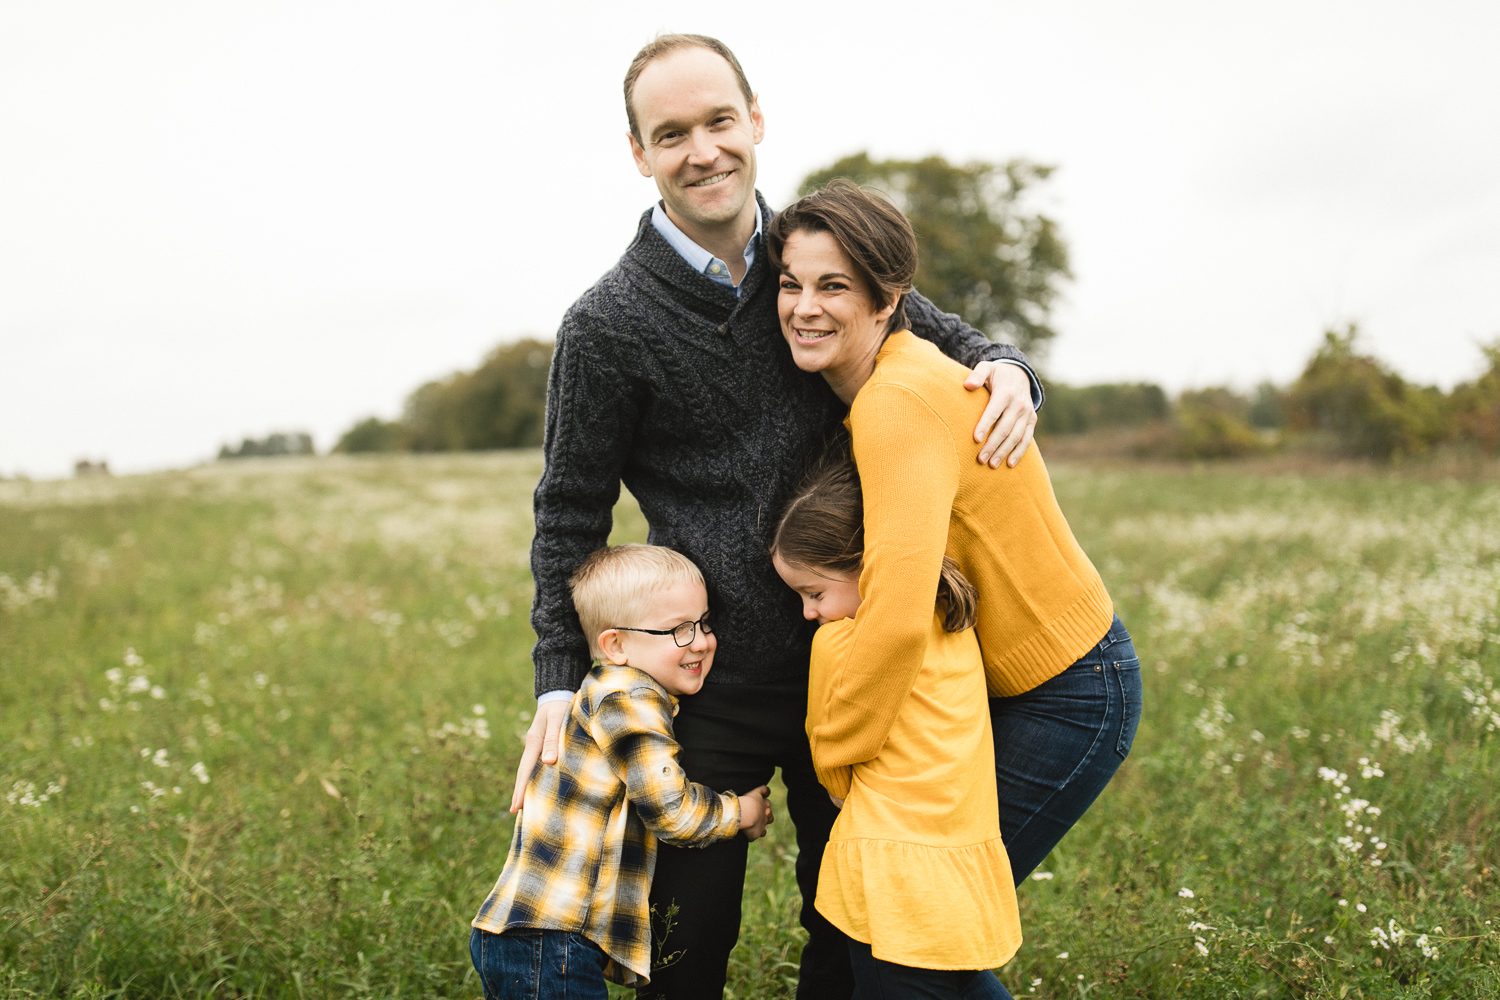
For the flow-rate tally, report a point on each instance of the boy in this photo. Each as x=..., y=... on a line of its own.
x=570, y=908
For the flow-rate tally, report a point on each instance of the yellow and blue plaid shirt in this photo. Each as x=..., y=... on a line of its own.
x=584, y=847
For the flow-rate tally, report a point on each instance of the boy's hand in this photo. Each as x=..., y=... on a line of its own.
x=838, y=803
x=1009, y=412
x=541, y=744
x=755, y=813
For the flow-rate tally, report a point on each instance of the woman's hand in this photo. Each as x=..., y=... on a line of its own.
x=755, y=813
x=541, y=744
x=1009, y=419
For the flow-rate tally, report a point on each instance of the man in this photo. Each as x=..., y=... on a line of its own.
x=671, y=376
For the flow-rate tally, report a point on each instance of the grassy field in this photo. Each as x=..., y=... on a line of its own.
x=258, y=722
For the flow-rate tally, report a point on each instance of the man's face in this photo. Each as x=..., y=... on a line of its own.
x=697, y=137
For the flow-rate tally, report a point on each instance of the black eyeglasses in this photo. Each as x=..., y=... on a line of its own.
x=682, y=635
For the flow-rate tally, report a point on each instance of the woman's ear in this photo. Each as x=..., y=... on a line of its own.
x=890, y=309
x=612, y=645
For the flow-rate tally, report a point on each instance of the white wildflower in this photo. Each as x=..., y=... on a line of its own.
x=200, y=772
x=1041, y=876
x=1185, y=892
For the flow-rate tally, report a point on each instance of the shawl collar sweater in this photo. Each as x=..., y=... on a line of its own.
x=666, y=381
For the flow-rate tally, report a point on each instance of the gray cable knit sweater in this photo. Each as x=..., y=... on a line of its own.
x=666, y=381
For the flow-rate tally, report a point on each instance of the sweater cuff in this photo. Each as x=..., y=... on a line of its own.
x=837, y=780
x=558, y=673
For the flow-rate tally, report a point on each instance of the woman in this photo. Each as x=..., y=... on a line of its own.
x=1061, y=672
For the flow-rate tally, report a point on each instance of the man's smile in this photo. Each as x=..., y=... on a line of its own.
x=716, y=178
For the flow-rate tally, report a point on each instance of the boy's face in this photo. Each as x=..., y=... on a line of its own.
x=679, y=669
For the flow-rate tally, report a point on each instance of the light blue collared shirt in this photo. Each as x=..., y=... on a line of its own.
x=701, y=260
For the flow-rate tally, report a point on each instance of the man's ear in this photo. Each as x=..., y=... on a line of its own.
x=757, y=120
x=639, y=153
x=612, y=645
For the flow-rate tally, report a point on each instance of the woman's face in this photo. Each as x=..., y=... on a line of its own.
x=828, y=318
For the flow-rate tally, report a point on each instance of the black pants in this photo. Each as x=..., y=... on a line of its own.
x=734, y=736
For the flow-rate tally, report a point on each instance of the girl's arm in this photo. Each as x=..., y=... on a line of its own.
x=908, y=467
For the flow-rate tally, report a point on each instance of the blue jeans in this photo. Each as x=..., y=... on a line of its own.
x=876, y=979
x=538, y=965
x=1057, y=746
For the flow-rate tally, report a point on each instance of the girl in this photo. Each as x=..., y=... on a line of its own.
x=915, y=872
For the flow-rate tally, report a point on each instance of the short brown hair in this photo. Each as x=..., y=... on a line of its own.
x=660, y=46
x=823, y=529
x=873, y=233
x=614, y=586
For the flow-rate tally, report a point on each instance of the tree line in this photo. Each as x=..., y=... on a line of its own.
x=991, y=255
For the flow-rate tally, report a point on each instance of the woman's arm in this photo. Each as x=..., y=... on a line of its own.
x=908, y=467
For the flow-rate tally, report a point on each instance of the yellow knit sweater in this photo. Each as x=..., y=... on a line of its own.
x=1041, y=602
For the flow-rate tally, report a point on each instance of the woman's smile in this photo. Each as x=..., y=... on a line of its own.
x=828, y=317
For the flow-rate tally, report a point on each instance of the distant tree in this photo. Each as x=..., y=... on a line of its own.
x=987, y=254
x=1268, y=407
x=274, y=445
x=1075, y=409
x=501, y=404
x=1362, y=407
x=370, y=435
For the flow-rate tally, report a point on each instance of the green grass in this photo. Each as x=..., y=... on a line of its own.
x=343, y=645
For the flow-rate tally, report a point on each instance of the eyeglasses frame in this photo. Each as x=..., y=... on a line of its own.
x=702, y=624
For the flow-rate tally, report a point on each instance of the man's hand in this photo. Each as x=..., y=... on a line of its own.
x=541, y=744
x=755, y=813
x=1009, y=419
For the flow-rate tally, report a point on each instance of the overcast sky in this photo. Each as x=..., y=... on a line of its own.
x=224, y=219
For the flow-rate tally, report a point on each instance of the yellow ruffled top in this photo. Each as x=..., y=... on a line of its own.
x=914, y=865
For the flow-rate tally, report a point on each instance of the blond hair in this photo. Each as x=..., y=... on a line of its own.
x=614, y=586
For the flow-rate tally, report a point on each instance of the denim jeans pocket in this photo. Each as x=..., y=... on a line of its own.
x=1128, y=678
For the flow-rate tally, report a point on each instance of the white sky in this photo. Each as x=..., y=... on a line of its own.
x=230, y=218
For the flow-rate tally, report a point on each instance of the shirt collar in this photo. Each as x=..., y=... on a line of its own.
x=698, y=258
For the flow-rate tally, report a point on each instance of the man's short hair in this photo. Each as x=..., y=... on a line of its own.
x=660, y=46
x=614, y=586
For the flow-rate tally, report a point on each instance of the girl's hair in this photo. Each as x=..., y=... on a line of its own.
x=823, y=529
x=873, y=233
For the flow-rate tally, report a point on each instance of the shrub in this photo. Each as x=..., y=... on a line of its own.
x=1359, y=406
x=1207, y=431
